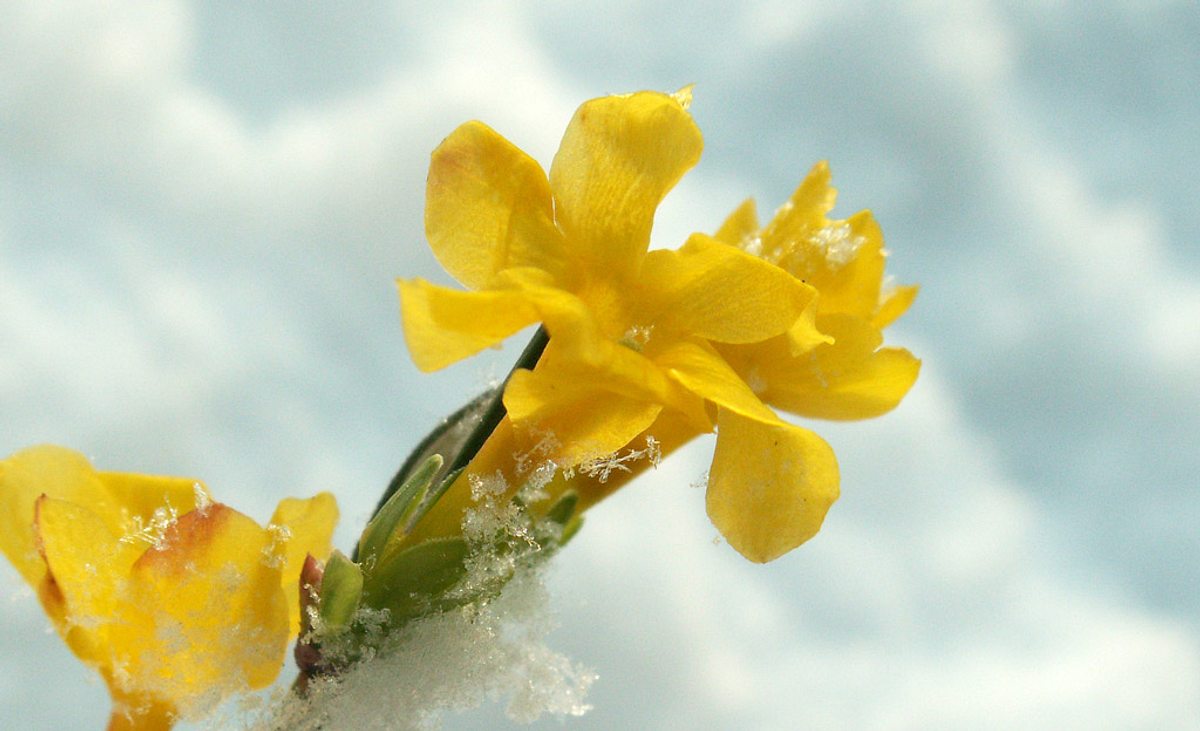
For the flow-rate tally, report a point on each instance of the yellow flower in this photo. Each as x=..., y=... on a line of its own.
x=176, y=600
x=632, y=331
x=830, y=365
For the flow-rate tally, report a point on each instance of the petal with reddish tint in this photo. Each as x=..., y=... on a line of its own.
x=45, y=470
x=212, y=596
x=86, y=565
x=488, y=208
x=140, y=496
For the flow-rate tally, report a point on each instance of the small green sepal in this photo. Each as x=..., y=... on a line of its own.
x=569, y=530
x=564, y=508
x=341, y=590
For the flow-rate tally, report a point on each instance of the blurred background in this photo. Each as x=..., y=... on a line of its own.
x=203, y=207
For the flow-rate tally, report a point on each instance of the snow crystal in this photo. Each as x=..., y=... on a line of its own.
x=274, y=553
x=756, y=382
x=837, y=243
x=637, y=336
x=452, y=661
x=752, y=245
x=152, y=532
x=602, y=468
x=203, y=501
x=537, y=457
x=491, y=649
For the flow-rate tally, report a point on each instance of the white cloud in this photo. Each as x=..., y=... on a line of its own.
x=1113, y=262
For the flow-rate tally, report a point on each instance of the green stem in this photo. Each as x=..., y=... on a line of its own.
x=459, y=450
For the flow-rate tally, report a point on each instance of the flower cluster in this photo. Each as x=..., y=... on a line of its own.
x=176, y=600
x=665, y=344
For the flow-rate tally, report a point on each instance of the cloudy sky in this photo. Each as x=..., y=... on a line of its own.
x=203, y=207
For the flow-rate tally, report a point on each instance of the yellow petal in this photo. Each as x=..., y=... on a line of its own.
x=308, y=525
x=894, y=304
x=705, y=373
x=803, y=213
x=488, y=207
x=133, y=712
x=670, y=431
x=578, y=418
x=844, y=260
x=720, y=293
x=564, y=314
x=852, y=378
x=581, y=351
x=443, y=326
x=741, y=225
x=849, y=282
x=139, y=496
x=44, y=470
x=770, y=486
x=804, y=335
x=618, y=158
x=86, y=565
x=212, y=595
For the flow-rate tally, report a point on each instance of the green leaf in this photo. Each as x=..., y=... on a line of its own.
x=463, y=433
x=430, y=499
x=397, y=511
x=412, y=582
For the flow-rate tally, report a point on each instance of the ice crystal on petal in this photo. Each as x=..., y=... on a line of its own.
x=887, y=288
x=151, y=532
x=637, y=336
x=752, y=245
x=274, y=556
x=837, y=243
x=537, y=456
x=534, y=489
x=203, y=501
x=818, y=372
x=602, y=468
x=493, y=517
